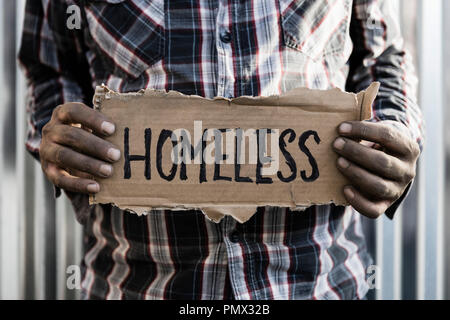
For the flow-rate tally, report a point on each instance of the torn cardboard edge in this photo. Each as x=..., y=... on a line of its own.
x=310, y=98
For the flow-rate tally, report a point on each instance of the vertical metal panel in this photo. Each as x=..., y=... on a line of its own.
x=11, y=171
x=408, y=18
x=389, y=257
x=409, y=245
x=430, y=224
x=69, y=241
x=44, y=238
x=2, y=143
x=446, y=12
x=24, y=160
x=39, y=235
x=62, y=253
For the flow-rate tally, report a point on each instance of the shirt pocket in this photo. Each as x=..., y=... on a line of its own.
x=317, y=28
x=127, y=35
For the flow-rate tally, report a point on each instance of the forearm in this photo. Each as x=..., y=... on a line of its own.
x=379, y=55
x=54, y=72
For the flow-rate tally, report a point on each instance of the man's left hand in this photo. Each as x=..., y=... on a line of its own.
x=379, y=168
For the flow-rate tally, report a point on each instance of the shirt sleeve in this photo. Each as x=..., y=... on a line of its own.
x=379, y=55
x=52, y=58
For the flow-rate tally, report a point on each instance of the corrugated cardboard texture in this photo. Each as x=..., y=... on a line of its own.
x=308, y=119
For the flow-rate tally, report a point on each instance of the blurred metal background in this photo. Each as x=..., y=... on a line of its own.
x=39, y=236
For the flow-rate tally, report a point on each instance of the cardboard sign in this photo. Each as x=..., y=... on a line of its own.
x=227, y=156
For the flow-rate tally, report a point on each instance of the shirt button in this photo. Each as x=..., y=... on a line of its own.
x=225, y=36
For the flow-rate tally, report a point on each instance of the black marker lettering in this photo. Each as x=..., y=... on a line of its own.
x=165, y=134
x=203, y=163
x=301, y=143
x=289, y=160
x=128, y=158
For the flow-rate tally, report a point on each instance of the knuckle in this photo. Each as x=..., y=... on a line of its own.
x=382, y=190
x=43, y=153
x=51, y=136
x=414, y=149
x=87, y=166
x=47, y=129
x=71, y=137
x=364, y=129
x=65, y=111
x=388, y=134
x=59, y=112
x=410, y=175
x=385, y=162
x=60, y=156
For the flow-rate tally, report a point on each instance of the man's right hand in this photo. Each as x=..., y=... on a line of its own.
x=73, y=150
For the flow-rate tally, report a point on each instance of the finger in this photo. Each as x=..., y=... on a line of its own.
x=363, y=205
x=67, y=158
x=78, y=113
x=368, y=183
x=79, y=174
x=69, y=183
x=387, y=136
x=85, y=142
x=86, y=129
x=376, y=161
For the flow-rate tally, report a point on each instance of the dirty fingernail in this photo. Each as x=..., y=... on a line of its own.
x=345, y=128
x=105, y=170
x=339, y=143
x=349, y=192
x=343, y=163
x=113, y=154
x=93, y=188
x=108, y=127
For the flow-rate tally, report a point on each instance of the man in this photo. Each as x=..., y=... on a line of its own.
x=221, y=48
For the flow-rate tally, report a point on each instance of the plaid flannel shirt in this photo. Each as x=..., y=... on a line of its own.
x=219, y=48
